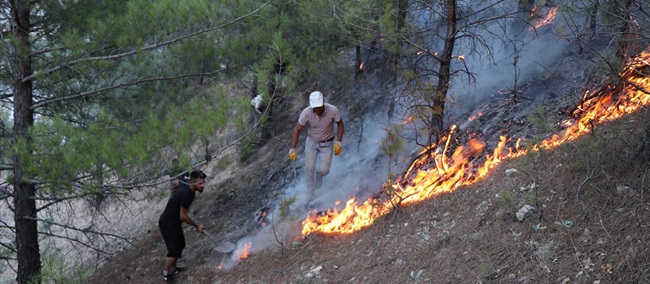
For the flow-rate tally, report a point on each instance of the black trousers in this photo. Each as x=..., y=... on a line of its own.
x=172, y=233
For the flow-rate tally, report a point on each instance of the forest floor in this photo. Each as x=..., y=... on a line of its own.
x=591, y=222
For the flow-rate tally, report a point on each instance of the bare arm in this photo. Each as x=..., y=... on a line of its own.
x=186, y=218
x=296, y=135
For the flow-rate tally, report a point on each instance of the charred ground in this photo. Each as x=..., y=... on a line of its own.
x=591, y=225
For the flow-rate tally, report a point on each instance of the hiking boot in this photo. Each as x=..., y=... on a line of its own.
x=166, y=275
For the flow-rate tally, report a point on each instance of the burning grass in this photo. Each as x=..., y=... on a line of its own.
x=440, y=169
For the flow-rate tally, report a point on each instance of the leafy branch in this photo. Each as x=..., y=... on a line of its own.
x=138, y=50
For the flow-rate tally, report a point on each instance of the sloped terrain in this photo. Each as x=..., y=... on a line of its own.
x=590, y=223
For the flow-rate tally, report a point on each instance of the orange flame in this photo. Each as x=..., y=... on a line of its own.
x=244, y=251
x=437, y=172
x=548, y=19
x=474, y=117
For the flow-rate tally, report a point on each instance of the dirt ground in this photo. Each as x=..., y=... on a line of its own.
x=591, y=223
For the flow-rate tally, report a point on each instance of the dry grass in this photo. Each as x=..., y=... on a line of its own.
x=591, y=224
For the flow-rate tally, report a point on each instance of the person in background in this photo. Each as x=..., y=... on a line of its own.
x=319, y=118
x=256, y=102
x=172, y=218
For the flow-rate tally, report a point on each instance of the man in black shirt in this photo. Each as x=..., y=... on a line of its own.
x=173, y=217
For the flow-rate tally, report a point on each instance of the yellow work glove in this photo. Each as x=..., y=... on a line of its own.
x=337, y=148
x=292, y=154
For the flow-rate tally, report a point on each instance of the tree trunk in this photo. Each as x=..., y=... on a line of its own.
x=627, y=38
x=593, y=19
x=28, y=254
x=400, y=22
x=357, y=61
x=402, y=7
x=272, y=90
x=444, y=74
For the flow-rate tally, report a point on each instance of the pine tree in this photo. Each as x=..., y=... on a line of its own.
x=99, y=95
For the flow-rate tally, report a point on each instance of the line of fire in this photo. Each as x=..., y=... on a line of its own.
x=439, y=169
x=447, y=166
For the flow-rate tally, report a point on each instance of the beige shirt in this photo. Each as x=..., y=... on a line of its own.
x=320, y=128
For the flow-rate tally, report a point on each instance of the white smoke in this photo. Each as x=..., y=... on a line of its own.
x=356, y=172
x=361, y=169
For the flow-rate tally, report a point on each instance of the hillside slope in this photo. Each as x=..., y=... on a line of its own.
x=590, y=223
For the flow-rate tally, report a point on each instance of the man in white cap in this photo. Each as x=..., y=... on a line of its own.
x=256, y=102
x=319, y=117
